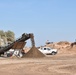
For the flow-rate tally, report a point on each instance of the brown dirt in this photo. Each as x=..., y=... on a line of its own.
x=72, y=48
x=63, y=43
x=34, y=53
x=63, y=63
x=49, y=65
x=59, y=45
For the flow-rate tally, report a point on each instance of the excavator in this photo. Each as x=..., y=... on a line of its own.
x=23, y=38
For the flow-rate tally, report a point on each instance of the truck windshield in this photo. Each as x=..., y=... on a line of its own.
x=48, y=48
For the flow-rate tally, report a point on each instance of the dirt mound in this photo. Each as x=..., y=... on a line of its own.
x=72, y=48
x=34, y=53
x=63, y=43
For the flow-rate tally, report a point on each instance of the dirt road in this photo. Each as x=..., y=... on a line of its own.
x=50, y=65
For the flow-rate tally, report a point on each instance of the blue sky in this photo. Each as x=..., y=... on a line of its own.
x=53, y=20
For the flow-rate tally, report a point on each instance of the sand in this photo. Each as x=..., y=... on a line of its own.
x=49, y=65
x=35, y=63
x=34, y=53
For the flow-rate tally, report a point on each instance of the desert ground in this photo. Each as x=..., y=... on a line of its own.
x=34, y=63
x=62, y=64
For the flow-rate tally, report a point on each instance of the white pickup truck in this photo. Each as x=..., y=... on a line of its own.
x=48, y=50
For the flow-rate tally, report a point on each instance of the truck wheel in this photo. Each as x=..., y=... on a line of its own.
x=53, y=53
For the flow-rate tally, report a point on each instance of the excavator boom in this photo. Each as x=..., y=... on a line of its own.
x=23, y=38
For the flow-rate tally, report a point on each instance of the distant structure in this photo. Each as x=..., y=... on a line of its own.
x=47, y=42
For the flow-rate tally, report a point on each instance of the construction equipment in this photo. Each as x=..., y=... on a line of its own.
x=23, y=38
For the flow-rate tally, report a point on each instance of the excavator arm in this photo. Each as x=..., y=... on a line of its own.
x=23, y=38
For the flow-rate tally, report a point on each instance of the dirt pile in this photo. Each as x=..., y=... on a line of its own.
x=63, y=43
x=72, y=48
x=59, y=45
x=68, y=50
x=34, y=53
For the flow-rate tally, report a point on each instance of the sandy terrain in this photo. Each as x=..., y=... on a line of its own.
x=63, y=63
x=49, y=65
